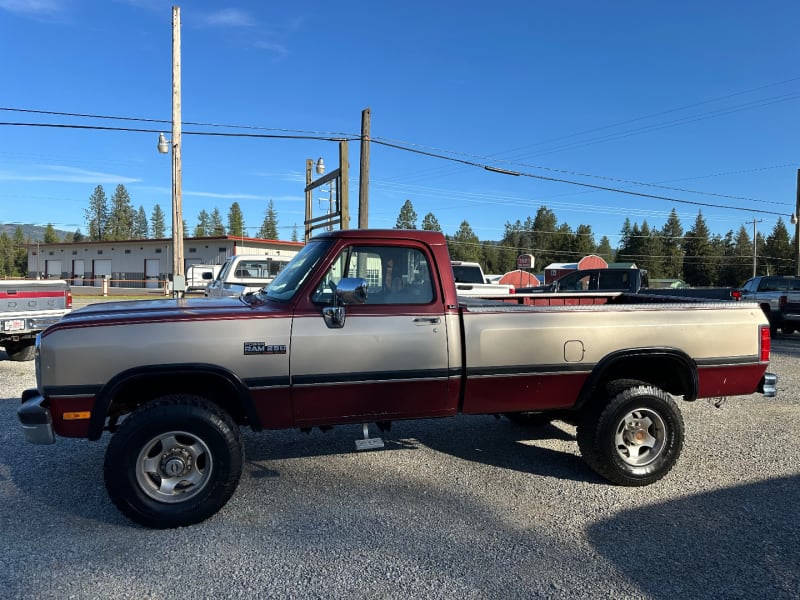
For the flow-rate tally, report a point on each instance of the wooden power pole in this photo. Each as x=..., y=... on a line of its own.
x=363, y=181
x=177, y=208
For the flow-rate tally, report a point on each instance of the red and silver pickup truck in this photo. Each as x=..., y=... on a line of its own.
x=328, y=343
x=27, y=307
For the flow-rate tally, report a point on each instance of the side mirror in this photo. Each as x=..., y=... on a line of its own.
x=351, y=290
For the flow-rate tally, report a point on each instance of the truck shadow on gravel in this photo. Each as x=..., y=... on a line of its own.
x=733, y=543
x=481, y=439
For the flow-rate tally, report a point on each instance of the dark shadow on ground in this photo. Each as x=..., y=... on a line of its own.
x=693, y=542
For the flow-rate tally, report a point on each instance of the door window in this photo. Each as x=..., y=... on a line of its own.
x=394, y=275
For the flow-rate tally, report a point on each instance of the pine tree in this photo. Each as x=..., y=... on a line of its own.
x=50, y=235
x=157, y=226
x=429, y=223
x=5, y=255
x=584, y=241
x=698, y=262
x=235, y=220
x=604, y=250
x=737, y=265
x=217, y=228
x=294, y=232
x=779, y=253
x=19, y=265
x=121, y=215
x=464, y=245
x=203, y=228
x=97, y=214
x=671, y=236
x=76, y=237
x=140, y=224
x=539, y=235
x=407, y=219
x=269, y=228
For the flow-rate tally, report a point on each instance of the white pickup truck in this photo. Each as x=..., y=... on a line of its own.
x=244, y=273
x=470, y=281
x=27, y=307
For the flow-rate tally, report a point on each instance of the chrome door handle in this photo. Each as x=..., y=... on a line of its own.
x=427, y=320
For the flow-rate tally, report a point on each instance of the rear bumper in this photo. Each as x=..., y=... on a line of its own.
x=35, y=419
x=768, y=385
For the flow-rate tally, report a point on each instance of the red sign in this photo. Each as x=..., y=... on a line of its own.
x=525, y=261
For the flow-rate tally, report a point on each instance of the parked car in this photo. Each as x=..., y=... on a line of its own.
x=767, y=291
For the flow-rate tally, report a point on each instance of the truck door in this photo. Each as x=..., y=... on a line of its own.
x=390, y=358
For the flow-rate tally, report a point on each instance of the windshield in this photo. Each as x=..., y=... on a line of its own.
x=285, y=285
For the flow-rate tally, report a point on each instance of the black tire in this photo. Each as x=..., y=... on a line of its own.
x=173, y=462
x=634, y=439
x=20, y=351
x=529, y=419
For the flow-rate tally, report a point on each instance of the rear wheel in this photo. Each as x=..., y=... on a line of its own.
x=173, y=462
x=20, y=351
x=634, y=439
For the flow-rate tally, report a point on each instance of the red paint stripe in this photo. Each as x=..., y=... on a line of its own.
x=11, y=295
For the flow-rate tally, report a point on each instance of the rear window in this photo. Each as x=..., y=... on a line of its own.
x=467, y=274
x=779, y=284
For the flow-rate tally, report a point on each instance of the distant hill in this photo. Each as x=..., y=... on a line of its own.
x=33, y=232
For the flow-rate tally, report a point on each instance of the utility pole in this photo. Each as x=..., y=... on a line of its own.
x=755, y=245
x=363, y=181
x=177, y=208
x=797, y=229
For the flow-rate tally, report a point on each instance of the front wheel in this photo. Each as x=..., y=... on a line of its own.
x=173, y=462
x=635, y=439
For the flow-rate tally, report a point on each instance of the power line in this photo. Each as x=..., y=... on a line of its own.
x=326, y=137
x=578, y=183
x=209, y=133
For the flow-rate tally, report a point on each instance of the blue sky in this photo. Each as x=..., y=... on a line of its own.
x=692, y=101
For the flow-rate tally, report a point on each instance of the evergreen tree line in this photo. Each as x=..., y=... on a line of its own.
x=118, y=220
x=695, y=256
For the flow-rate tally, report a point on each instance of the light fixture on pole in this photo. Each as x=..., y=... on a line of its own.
x=339, y=212
x=164, y=147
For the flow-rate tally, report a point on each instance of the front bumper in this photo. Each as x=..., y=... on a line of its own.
x=769, y=385
x=37, y=424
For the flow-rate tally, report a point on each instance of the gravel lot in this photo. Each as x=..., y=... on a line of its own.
x=472, y=507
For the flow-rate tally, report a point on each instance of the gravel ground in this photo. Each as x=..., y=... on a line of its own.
x=472, y=507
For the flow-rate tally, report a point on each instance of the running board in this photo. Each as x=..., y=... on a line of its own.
x=368, y=443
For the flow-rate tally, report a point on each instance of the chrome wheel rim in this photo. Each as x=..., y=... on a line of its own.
x=640, y=437
x=174, y=466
